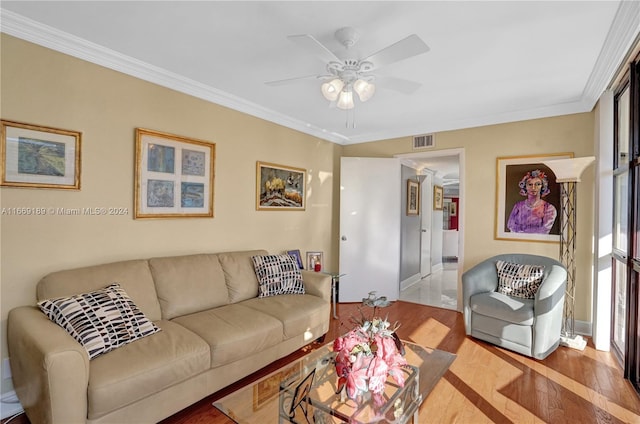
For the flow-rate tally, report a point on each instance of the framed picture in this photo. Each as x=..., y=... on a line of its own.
x=453, y=209
x=174, y=176
x=40, y=157
x=280, y=188
x=413, y=197
x=527, y=199
x=296, y=254
x=438, y=197
x=314, y=258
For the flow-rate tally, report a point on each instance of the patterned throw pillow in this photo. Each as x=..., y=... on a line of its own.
x=519, y=280
x=101, y=320
x=277, y=274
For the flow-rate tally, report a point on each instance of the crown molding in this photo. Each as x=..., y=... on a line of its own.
x=35, y=32
x=622, y=34
x=623, y=31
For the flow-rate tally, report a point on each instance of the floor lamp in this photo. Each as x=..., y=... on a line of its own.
x=568, y=173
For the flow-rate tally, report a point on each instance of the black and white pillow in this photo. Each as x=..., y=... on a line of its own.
x=519, y=280
x=277, y=274
x=101, y=320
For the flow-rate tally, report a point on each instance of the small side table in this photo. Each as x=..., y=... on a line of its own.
x=335, y=279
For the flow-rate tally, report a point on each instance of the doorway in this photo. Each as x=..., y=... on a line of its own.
x=442, y=286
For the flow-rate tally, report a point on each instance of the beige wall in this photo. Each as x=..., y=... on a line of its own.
x=482, y=145
x=43, y=87
x=46, y=88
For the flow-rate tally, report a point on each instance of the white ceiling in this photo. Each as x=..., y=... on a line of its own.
x=490, y=62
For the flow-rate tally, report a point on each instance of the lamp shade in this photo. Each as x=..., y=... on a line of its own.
x=364, y=89
x=569, y=170
x=345, y=101
x=331, y=90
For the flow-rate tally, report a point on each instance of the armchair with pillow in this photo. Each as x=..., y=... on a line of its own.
x=516, y=301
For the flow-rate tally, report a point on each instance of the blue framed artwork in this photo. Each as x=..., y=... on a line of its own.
x=174, y=176
x=40, y=157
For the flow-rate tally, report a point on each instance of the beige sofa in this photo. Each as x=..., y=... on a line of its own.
x=214, y=331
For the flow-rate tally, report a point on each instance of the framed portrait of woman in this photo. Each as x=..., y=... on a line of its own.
x=527, y=199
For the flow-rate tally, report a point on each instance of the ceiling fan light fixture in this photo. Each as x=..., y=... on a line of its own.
x=331, y=90
x=364, y=89
x=345, y=101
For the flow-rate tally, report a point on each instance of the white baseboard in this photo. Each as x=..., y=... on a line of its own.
x=404, y=284
x=583, y=327
x=9, y=405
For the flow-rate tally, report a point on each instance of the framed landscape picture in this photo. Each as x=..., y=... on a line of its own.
x=280, y=188
x=40, y=157
x=527, y=198
x=174, y=176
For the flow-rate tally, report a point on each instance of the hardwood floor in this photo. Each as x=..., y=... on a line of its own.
x=485, y=384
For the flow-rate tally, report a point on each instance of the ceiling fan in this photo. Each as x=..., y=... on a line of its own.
x=344, y=77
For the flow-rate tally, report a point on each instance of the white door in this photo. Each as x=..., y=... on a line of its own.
x=370, y=195
x=426, y=195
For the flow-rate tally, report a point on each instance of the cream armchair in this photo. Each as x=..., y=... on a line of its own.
x=528, y=326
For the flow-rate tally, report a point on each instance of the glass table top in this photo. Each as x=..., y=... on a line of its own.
x=277, y=396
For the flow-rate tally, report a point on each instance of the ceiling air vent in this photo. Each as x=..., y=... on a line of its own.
x=424, y=141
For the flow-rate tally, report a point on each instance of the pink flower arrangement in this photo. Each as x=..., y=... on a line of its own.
x=366, y=356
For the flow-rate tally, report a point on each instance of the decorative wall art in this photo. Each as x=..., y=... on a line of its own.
x=296, y=254
x=315, y=261
x=438, y=198
x=174, y=176
x=527, y=198
x=40, y=157
x=280, y=187
x=413, y=197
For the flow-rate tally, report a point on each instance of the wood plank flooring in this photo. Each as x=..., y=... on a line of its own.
x=485, y=384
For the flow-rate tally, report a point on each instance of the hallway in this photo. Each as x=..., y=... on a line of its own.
x=437, y=289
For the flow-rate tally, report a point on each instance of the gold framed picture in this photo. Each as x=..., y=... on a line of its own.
x=34, y=156
x=527, y=198
x=438, y=198
x=174, y=176
x=280, y=188
x=413, y=197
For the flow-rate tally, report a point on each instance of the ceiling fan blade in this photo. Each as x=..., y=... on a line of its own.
x=403, y=49
x=309, y=43
x=286, y=81
x=397, y=84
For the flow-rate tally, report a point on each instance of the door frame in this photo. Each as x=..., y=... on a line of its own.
x=408, y=158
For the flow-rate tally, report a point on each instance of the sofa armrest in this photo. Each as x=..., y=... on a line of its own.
x=549, y=307
x=50, y=368
x=317, y=284
x=481, y=278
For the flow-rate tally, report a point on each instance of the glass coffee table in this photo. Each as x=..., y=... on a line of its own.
x=305, y=391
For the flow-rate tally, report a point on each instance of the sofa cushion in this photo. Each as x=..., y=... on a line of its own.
x=101, y=320
x=147, y=366
x=297, y=313
x=519, y=280
x=233, y=331
x=277, y=274
x=133, y=276
x=188, y=284
x=506, y=308
x=239, y=274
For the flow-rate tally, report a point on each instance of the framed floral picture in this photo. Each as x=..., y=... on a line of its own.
x=527, y=198
x=279, y=187
x=174, y=176
x=34, y=156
